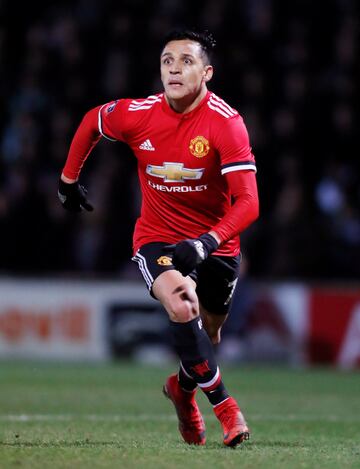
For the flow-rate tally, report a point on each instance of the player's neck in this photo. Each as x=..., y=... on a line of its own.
x=187, y=103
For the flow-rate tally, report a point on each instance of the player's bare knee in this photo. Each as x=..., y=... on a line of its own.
x=183, y=312
x=183, y=305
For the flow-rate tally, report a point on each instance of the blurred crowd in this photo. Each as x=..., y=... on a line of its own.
x=289, y=68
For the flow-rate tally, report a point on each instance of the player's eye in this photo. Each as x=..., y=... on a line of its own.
x=166, y=61
x=188, y=61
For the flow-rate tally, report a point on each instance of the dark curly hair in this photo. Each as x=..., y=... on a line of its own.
x=204, y=38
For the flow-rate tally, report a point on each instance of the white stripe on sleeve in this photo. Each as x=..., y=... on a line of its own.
x=100, y=125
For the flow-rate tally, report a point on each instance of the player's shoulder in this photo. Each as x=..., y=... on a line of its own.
x=136, y=105
x=131, y=105
x=220, y=109
x=128, y=115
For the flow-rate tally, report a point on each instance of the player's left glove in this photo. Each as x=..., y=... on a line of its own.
x=186, y=255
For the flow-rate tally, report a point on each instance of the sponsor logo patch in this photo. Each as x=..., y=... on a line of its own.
x=111, y=107
x=147, y=146
x=163, y=188
x=199, y=146
x=174, y=172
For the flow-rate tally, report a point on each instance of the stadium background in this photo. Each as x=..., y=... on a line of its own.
x=290, y=68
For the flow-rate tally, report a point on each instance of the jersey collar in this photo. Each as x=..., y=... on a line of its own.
x=167, y=109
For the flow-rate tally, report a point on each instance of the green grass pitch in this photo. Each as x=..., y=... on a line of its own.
x=115, y=416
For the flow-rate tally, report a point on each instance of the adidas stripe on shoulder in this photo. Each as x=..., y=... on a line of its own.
x=147, y=103
x=220, y=106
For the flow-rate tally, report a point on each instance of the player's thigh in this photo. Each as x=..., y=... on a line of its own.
x=175, y=292
x=216, y=281
x=152, y=262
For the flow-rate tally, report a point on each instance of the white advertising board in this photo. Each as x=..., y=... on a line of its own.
x=59, y=319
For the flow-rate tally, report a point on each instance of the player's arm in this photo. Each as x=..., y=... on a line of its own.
x=245, y=209
x=239, y=168
x=71, y=194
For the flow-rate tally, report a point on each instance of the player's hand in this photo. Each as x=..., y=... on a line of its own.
x=187, y=254
x=73, y=197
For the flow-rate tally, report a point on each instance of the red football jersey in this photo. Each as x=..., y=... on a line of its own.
x=182, y=159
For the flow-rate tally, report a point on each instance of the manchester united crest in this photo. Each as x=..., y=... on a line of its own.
x=164, y=260
x=199, y=146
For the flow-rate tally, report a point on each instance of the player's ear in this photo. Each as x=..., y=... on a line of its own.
x=208, y=73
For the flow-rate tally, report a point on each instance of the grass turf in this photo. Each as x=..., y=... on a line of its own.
x=57, y=415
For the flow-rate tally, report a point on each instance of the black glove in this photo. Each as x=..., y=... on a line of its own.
x=187, y=254
x=73, y=197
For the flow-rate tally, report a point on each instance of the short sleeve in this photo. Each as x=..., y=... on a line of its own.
x=112, y=120
x=233, y=146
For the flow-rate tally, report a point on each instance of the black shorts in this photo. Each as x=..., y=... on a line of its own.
x=215, y=278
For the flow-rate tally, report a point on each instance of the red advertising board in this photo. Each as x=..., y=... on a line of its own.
x=334, y=326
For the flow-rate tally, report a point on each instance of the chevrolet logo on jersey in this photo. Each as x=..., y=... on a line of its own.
x=174, y=172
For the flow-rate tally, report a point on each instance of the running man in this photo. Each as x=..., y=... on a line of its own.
x=199, y=192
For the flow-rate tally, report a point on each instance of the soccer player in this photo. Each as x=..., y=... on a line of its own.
x=197, y=177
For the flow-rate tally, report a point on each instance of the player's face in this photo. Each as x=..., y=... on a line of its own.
x=184, y=71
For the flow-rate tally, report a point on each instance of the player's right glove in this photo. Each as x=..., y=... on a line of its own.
x=187, y=254
x=73, y=197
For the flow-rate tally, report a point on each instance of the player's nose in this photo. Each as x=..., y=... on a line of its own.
x=175, y=68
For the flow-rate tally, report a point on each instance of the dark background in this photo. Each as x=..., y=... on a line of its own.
x=290, y=68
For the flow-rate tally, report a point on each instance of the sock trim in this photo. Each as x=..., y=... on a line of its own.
x=212, y=383
x=221, y=402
